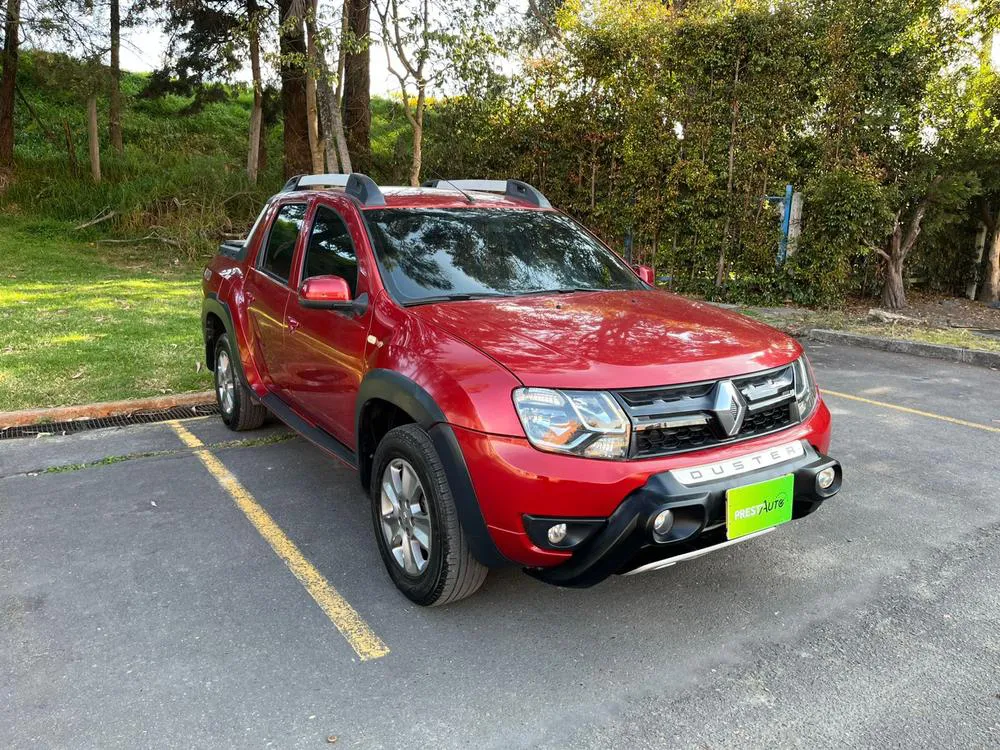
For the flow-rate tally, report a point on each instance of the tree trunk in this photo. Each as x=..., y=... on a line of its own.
x=324, y=96
x=292, y=45
x=257, y=113
x=312, y=107
x=262, y=146
x=312, y=127
x=330, y=119
x=93, y=138
x=357, y=85
x=893, y=290
x=989, y=287
x=337, y=102
x=417, y=123
x=8, y=82
x=338, y=141
x=115, y=110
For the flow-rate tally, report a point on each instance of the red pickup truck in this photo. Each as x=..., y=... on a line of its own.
x=509, y=390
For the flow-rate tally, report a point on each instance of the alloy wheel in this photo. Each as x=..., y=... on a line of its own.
x=406, y=523
x=225, y=382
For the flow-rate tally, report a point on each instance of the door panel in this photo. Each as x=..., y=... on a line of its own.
x=268, y=292
x=324, y=355
x=266, y=303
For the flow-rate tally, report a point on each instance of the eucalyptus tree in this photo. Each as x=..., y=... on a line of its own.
x=8, y=80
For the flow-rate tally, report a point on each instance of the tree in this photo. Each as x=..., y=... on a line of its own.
x=406, y=36
x=292, y=47
x=317, y=148
x=204, y=46
x=331, y=134
x=357, y=83
x=422, y=44
x=8, y=81
x=257, y=112
x=115, y=94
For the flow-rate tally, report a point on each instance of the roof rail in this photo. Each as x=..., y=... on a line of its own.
x=511, y=188
x=355, y=184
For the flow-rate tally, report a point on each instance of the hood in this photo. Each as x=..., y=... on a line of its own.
x=612, y=339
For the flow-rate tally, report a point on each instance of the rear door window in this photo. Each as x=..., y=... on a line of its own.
x=276, y=258
x=331, y=250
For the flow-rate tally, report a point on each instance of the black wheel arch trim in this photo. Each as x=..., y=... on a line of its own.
x=212, y=304
x=401, y=391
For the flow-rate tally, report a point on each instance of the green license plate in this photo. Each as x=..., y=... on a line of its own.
x=760, y=506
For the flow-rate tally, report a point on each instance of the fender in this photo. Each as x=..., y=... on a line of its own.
x=400, y=391
x=212, y=304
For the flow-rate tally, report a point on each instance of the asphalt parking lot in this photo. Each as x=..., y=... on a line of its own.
x=144, y=604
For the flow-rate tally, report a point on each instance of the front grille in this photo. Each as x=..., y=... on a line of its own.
x=767, y=421
x=656, y=442
x=665, y=395
x=676, y=419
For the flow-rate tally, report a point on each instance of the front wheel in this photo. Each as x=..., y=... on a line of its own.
x=416, y=525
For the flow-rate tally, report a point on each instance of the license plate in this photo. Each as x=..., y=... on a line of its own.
x=760, y=506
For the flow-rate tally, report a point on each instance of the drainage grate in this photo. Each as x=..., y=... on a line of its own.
x=120, y=420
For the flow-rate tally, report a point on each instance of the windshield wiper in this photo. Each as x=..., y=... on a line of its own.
x=562, y=290
x=455, y=298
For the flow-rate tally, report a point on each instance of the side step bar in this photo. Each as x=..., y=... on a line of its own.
x=320, y=438
x=660, y=564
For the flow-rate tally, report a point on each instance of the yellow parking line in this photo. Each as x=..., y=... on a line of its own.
x=908, y=410
x=357, y=632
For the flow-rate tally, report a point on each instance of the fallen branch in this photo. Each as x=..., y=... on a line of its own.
x=98, y=220
x=147, y=238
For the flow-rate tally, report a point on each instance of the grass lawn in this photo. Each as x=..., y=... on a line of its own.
x=82, y=322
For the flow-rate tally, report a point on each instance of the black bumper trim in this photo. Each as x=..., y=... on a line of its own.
x=627, y=541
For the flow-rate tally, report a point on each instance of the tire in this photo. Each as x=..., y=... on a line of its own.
x=443, y=570
x=239, y=408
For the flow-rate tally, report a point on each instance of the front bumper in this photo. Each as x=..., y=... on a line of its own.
x=625, y=541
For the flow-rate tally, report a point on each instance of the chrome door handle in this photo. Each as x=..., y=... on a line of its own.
x=292, y=324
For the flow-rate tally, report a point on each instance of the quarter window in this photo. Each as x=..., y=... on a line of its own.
x=277, y=257
x=331, y=251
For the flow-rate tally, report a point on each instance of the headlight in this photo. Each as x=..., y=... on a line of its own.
x=583, y=423
x=805, y=387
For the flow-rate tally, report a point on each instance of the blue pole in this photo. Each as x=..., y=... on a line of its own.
x=786, y=221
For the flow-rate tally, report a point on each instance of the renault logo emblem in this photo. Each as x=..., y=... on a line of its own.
x=729, y=407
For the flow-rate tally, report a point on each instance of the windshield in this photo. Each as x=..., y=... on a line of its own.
x=433, y=254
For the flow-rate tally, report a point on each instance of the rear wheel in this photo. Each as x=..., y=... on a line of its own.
x=416, y=525
x=237, y=405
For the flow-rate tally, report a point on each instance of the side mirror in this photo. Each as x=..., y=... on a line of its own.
x=646, y=273
x=325, y=292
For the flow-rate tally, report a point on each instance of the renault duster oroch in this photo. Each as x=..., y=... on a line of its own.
x=510, y=391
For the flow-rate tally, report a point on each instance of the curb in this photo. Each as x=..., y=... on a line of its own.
x=103, y=409
x=976, y=357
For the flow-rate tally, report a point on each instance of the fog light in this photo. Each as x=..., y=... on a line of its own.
x=557, y=533
x=825, y=479
x=663, y=521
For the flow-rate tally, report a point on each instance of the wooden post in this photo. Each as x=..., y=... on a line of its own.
x=95, y=144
